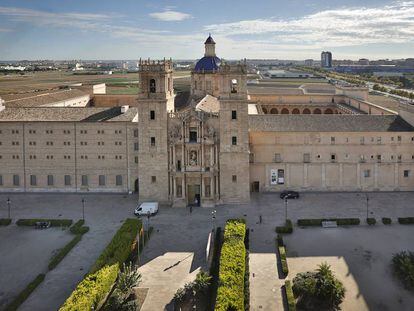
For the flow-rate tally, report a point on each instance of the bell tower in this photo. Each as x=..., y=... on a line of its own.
x=155, y=101
x=210, y=47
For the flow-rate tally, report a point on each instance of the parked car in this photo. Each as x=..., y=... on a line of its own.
x=146, y=208
x=289, y=194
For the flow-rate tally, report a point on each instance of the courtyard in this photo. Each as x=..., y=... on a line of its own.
x=177, y=248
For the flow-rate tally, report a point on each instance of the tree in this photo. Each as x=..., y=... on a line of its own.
x=318, y=290
x=403, y=266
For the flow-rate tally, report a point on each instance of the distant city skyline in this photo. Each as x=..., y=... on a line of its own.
x=294, y=30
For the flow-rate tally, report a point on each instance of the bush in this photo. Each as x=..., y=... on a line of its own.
x=318, y=221
x=25, y=293
x=53, y=222
x=188, y=294
x=290, y=298
x=92, y=289
x=287, y=228
x=120, y=247
x=5, y=221
x=79, y=228
x=58, y=257
x=406, y=220
x=230, y=293
x=283, y=260
x=318, y=290
x=279, y=240
x=403, y=266
x=386, y=221
x=371, y=221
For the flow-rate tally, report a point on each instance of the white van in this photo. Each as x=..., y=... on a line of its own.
x=146, y=208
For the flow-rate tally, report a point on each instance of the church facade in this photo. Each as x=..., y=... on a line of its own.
x=224, y=144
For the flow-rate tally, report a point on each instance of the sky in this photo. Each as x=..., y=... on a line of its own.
x=277, y=29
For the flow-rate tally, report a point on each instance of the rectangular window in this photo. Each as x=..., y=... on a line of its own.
x=153, y=179
x=306, y=157
x=118, y=180
x=33, y=180
x=16, y=180
x=367, y=173
x=234, y=178
x=406, y=173
x=101, y=180
x=84, y=180
x=332, y=140
x=135, y=133
x=278, y=158
x=67, y=180
x=152, y=115
x=378, y=158
x=1, y=180
x=234, y=115
x=399, y=138
x=50, y=180
x=136, y=159
x=193, y=134
x=234, y=140
x=379, y=140
x=251, y=158
x=152, y=141
x=333, y=157
x=136, y=145
x=362, y=140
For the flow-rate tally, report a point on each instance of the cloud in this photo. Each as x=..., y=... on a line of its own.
x=170, y=16
x=330, y=28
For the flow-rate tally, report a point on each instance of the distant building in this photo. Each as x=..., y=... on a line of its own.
x=309, y=62
x=326, y=59
x=363, y=62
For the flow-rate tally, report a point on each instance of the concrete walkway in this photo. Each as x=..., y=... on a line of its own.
x=265, y=285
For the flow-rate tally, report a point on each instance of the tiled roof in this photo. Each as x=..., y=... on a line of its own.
x=329, y=123
x=209, y=104
x=45, y=98
x=67, y=114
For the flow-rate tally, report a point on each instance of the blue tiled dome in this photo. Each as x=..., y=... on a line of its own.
x=208, y=63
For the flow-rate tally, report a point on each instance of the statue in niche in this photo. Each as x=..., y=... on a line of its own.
x=210, y=131
x=193, y=158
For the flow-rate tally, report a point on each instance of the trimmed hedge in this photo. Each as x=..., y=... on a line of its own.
x=121, y=245
x=386, y=221
x=406, y=220
x=25, y=293
x=290, y=298
x=318, y=221
x=53, y=222
x=58, y=257
x=5, y=221
x=371, y=221
x=79, y=228
x=283, y=260
x=214, y=268
x=92, y=289
x=287, y=228
x=230, y=293
x=279, y=240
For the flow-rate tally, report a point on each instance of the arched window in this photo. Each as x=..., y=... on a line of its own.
x=306, y=111
x=264, y=110
x=234, y=86
x=152, y=86
x=317, y=111
x=274, y=111
x=328, y=111
x=295, y=111
x=285, y=111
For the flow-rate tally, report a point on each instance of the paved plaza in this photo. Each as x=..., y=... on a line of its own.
x=176, y=250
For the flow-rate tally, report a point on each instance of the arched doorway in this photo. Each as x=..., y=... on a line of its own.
x=317, y=111
x=285, y=111
x=328, y=111
x=306, y=111
x=264, y=110
x=274, y=111
x=295, y=111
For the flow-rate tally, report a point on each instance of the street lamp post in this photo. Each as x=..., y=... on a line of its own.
x=83, y=209
x=8, y=206
x=286, y=203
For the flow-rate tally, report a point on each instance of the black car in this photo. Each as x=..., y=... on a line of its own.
x=288, y=194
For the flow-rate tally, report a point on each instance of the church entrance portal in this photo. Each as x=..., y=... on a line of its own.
x=193, y=193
